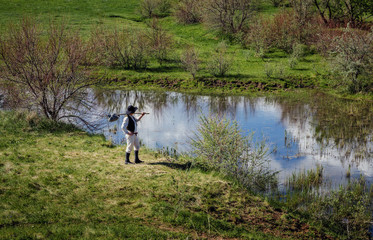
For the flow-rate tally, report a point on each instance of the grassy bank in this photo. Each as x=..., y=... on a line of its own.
x=59, y=182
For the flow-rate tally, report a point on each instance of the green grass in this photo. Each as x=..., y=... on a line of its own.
x=84, y=15
x=59, y=182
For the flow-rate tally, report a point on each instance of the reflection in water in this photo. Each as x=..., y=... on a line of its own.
x=334, y=133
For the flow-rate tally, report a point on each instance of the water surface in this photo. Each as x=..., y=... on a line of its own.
x=337, y=134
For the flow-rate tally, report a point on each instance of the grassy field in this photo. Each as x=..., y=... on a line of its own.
x=251, y=70
x=61, y=183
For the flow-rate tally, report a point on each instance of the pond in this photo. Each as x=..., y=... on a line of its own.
x=301, y=133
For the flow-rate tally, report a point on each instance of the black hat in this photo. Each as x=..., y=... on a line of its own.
x=131, y=109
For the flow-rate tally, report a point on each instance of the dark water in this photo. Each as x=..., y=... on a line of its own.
x=318, y=129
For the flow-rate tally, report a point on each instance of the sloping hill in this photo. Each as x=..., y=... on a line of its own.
x=58, y=182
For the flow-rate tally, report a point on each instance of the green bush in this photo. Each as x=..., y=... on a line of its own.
x=220, y=145
x=352, y=58
x=346, y=211
x=220, y=63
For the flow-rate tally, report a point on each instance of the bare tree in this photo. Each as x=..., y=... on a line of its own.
x=190, y=61
x=229, y=16
x=128, y=48
x=154, y=8
x=45, y=69
x=189, y=11
x=160, y=41
x=336, y=12
x=277, y=3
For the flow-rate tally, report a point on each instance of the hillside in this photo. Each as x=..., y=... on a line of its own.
x=248, y=71
x=59, y=182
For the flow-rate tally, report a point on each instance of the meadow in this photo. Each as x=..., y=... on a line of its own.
x=269, y=72
x=59, y=182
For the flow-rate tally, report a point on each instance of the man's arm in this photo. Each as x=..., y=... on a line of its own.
x=142, y=114
x=124, y=125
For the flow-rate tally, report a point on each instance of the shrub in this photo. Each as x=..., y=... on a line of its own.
x=228, y=16
x=323, y=40
x=352, y=57
x=160, y=41
x=189, y=11
x=296, y=55
x=219, y=64
x=129, y=49
x=274, y=70
x=155, y=8
x=220, y=145
x=258, y=37
x=277, y=3
x=282, y=32
x=347, y=211
x=190, y=61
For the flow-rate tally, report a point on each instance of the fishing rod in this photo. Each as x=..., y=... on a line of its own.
x=114, y=117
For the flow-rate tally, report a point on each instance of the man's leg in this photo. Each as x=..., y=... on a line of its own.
x=130, y=143
x=137, y=148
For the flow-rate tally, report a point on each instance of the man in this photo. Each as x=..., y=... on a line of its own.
x=129, y=127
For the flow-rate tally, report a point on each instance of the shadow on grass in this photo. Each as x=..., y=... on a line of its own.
x=301, y=69
x=163, y=69
x=179, y=166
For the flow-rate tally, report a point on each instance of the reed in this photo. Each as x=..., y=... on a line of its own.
x=305, y=180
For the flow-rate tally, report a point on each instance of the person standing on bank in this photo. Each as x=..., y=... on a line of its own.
x=129, y=127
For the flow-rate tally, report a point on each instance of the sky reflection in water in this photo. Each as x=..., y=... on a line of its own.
x=291, y=130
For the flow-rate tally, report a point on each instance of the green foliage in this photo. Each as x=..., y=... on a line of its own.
x=220, y=63
x=353, y=60
x=296, y=55
x=219, y=144
x=115, y=15
x=346, y=211
x=306, y=180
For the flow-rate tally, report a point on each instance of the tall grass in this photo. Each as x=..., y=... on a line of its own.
x=345, y=212
x=305, y=180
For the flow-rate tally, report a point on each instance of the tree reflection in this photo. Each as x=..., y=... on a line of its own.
x=333, y=124
x=344, y=124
